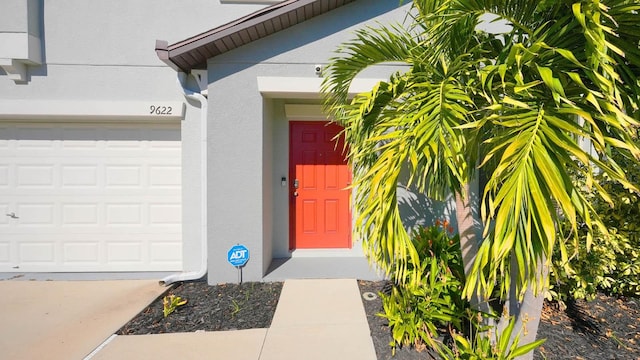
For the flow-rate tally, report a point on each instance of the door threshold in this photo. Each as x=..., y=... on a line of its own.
x=353, y=252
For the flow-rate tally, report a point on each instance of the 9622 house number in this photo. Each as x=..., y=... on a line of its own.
x=160, y=110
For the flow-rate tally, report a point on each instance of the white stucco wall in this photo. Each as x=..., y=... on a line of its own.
x=15, y=17
x=20, y=43
x=105, y=49
x=103, y=52
x=246, y=202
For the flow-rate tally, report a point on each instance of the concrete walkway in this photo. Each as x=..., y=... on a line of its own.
x=66, y=319
x=315, y=319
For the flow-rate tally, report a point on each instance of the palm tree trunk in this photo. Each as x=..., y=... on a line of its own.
x=527, y=311
x=470, y=231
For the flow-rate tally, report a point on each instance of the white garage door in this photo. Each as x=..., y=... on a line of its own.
x=87, y=197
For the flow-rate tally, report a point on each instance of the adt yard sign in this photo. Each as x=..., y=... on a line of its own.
x=238, y=255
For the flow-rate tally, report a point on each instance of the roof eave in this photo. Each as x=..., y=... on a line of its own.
x=194, y=52
x=162, y=51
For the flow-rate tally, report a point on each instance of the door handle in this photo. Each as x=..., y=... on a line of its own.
x=13, y=215
x=295, y=194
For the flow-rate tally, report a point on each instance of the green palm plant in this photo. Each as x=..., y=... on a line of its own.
x=516, y=106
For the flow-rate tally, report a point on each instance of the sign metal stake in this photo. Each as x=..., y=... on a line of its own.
x=238, y=256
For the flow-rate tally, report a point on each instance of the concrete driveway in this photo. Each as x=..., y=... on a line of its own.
x=66, y=319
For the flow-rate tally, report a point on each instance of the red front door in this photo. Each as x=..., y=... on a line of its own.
x=319, y=212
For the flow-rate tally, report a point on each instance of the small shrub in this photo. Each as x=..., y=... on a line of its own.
x=425, y=314
x=612, y=265
x=483, y=347
x=416, y=312
x=170, y=304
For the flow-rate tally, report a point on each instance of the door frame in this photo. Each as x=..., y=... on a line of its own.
x=291, y=202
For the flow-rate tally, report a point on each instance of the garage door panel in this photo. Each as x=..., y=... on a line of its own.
x=123, y=176
x=4, y=176
x=165, y=176
x=80, y=215
x=5, y=215
x=165, y=252
x=90, y=197
x=101, y=211
x=37, y=214
x=76, y=251
x=36, y=175
x=5, y=251
x=120, y=214
x=81, y=253
x=79, y=175
x=124, y=252
x=40, y=252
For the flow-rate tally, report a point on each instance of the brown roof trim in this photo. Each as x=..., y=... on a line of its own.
x=192, y=53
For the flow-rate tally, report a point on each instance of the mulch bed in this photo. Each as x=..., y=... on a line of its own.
x=223, y=307
x=606, y=328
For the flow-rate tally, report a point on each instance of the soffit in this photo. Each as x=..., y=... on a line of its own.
x=192, y=53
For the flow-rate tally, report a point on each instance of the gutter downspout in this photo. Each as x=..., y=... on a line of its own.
x=202, y=271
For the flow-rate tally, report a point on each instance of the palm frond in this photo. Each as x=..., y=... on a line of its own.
x=518, y=105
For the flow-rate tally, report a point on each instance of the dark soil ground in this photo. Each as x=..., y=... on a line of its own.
x=606, y=328
x=210, y=308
